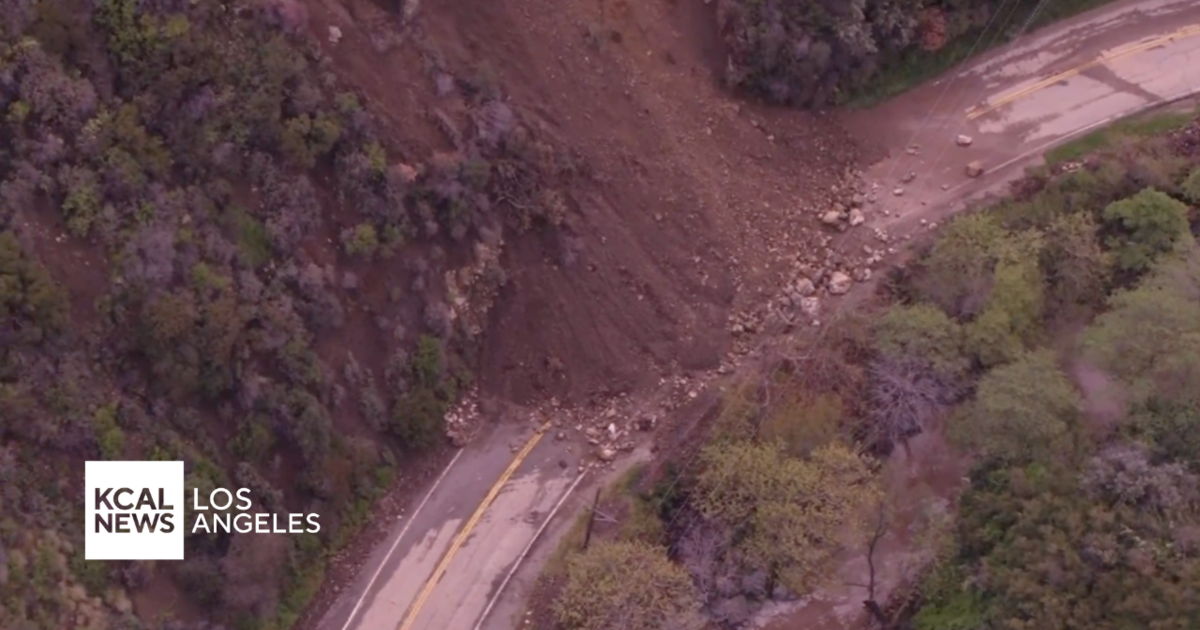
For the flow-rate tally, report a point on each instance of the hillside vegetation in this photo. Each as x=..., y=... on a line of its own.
x=188, y=206
x=827, y=52
x=1053, y=338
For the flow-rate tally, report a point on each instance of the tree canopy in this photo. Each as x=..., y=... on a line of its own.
x=627, y=584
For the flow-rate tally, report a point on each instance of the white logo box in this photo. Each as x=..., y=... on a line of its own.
x=159, y=488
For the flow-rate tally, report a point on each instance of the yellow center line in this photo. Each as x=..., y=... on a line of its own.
x=419, y=602
x=1187, y=31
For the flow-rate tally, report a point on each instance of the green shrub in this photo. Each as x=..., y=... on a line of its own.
x=360, y=240
x=109, y=437
x=1148, y=224
x=618, y=585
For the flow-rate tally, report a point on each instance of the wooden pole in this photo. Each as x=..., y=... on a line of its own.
x=587, y=537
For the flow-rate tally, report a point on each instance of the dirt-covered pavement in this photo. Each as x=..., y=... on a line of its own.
x=1013, y=104
x=1017, y=101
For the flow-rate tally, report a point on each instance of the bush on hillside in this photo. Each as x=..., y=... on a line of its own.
x=816, y=52
x=627, y=584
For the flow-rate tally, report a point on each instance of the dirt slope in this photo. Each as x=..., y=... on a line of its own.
x=692, y=198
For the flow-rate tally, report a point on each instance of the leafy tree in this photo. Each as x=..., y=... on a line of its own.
x=29, y=297
x=1022, y=410
x=789, y=515
x=418, y=416
x=919, y=367
x=957, y=273
x=360, y=240
x=1191, y=186
x=1011, y=319
x=627, y=584
x=1172, y=428
x=1123, y=474
x=1057, y=558
x=1150, y=337
x=1078, y=269
x=1149, y=224
x=921, y=333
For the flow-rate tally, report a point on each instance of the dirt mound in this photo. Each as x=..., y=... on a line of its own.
x=694, y=200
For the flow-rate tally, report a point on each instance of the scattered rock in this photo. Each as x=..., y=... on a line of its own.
x=410, y=9
x=406, y=172
x=335, y=34
x=840, y=283
x=912, y=150
x=810, y=306
x=897, y=191
x=945, y=186
x=805, y=287
x=856, y=217
x=606, y=453
x=963, y=141
x=833, y=217
x=909, y=177
x=974, y=168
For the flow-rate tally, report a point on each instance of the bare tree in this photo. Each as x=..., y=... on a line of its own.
x=871, y=604
x=904, y=395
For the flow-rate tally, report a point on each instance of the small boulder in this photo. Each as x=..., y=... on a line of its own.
x=810, y=306
x=963, y=141
x=833, y=217
x=974, y=168
x=856, y=217
x=805, y=287
x=840, y=283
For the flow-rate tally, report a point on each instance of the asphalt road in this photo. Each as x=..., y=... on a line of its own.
x=1018, y=101
x=441, y=565
x=1015, y=103
x=445, y=561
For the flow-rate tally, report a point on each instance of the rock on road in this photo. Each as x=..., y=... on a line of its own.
x=1014, y=102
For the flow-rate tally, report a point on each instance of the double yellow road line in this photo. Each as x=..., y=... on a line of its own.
x=419, y=602
x=1123, y=51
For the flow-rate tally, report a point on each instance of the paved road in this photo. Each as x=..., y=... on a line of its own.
x=1018, y=101
x=1047, y=88
x=441, y=566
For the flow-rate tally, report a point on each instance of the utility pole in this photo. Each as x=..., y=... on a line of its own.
x=587, y=537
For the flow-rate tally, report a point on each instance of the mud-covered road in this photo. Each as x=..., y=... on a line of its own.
x=444, y=562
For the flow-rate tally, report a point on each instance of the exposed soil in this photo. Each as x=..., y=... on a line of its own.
x=690, y=204
x=694, y=208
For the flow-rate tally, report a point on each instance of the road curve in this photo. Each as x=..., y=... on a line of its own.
x=1018, y=101
x=443, y=563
